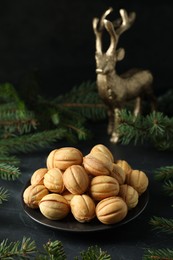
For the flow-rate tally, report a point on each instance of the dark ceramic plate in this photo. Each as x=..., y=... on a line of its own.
x=71, y=225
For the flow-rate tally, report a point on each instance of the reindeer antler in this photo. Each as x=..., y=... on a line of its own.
x=127, y=21
x=98, y=27
x=116, y=28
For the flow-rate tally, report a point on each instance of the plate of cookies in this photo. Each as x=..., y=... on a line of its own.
x=85, y=193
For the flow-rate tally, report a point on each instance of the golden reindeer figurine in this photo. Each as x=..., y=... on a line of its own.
x=115, y=90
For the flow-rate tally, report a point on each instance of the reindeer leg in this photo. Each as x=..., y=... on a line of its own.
x=110, y=121
x=115, y=135
x=137, y=108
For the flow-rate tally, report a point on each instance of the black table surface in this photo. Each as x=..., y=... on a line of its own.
x=128, y=241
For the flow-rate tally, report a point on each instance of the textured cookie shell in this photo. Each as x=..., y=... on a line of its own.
x=129, y=195
x=82, y=208
x=102, y=148
x=138, y=180
x=64, y=157
x=103, y=186
x=118, y=173
x=53, y=180
x=97, y=164
x=54, y=206
x=111, y=210
x=33, y=194
x=38, y=176
x=125, y=166
x=76, y=180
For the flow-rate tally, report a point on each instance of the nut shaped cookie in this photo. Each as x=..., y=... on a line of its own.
x=64, y=157
x=38, y=176
x=111, y=210
x=33, y=194
x=102, y=148
x=82, y=208
x=97, y=164
x=54, y=206
x=76, y=179
x=53, y=180
x=67, y=195
x=138, y=180
x=125, y=166
x=129, y=195
x=103, y=186
x=118, y=173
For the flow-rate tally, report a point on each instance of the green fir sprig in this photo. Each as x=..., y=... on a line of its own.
x=162, y=224
x=154, y=128
x=168, y=187
x=4, y=195
x=159, y=254
x=9, y=172
x=94, y=253
x=33, y=142
x=17, y=250
x=163, y=174
x=52, y=250
x=84, y=99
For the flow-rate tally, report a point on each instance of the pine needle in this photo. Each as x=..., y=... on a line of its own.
x=155, y=128
x=162, y=224
x=9, y=172
x=94, y=253
x=4, y=195
x=17, y=250
x=164, y=173
x=6, y=158
x=55, y=250
x=158, y=254
x=168, y=188
x=52, y=250
x=8, y=93
x=31, y=142
x=82, y=100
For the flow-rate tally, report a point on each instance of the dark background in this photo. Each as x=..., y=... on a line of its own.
x=56, y=39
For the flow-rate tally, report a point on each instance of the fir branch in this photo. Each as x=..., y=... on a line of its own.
x=18, y=250
x=130, y=129
x=158, y=254
x=82, y=133
x=155, y=128
x=90, y=111
x=86, y=92
x=6, y=158
x=168, y=188
x=9, y=172
x=55, y=250
x=8, y=107
x=75, y=124
x=83, y=100
x=4, y=195
x=17, y=122
x=164, y=173
x=31, y=142
x=162, y=224
x=52, y=250
x=8, y=93
x=94, y=253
